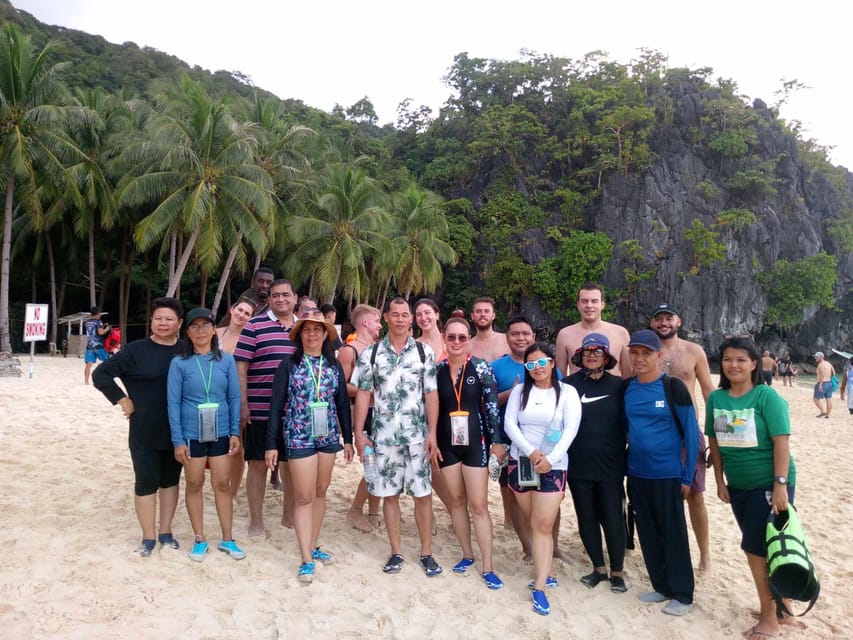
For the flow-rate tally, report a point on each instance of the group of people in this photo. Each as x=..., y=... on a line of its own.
x=445, y=411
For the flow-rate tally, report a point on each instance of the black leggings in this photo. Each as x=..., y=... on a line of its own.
x=598, y=506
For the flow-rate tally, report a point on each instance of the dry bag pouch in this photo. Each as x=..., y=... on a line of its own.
x=527, y=475
x=208, y=421
x=789, y=565
x=319, y=418
x=459, y=428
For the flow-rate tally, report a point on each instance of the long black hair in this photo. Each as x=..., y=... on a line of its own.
x=548, y=350
x=752, y=351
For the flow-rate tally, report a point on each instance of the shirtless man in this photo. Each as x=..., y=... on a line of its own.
x=823, y=386
x=768, y=366
x=590, y=305
x=687, y=362
x=367, y=322
x=488, y=344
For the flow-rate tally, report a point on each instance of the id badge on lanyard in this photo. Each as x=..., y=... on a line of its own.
x=459, y=418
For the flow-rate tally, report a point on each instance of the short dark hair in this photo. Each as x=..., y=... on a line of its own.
x=327, y=308
x=737, y=342
x=519, y=320
x=591, y=286
x=168, y=303
x=488, y=299
x=397, y=300
x=280, y=281
x=94, y=311
x=264, y=269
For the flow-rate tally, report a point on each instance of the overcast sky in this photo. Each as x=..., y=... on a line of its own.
x=337, y=52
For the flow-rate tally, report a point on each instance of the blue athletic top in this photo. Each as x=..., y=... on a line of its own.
x=655, y=442
x=186, y=390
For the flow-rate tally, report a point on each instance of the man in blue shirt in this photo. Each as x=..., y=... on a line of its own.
x=661, y=424
x=95, y=332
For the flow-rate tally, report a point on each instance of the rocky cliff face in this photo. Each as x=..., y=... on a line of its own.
x=687, y=182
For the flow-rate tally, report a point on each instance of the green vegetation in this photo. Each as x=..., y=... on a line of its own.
x=793, y=286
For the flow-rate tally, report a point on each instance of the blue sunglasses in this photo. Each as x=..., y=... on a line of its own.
x=536, y=364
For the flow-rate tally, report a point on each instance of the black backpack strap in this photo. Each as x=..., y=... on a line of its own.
x=667, y=392
x=421, y=353
x=373, y=354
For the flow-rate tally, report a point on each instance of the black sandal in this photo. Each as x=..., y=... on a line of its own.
x=593, y=579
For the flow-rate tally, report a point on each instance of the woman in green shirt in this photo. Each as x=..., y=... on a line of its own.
x=747, y=425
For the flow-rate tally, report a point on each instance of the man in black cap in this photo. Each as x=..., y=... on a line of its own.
x=661, y=423
x=687, y=361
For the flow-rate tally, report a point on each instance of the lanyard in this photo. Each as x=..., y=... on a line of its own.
x=458, y=392
x=319, y=376
x=209, y=376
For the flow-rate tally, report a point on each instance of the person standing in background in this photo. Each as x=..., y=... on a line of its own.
x=95, y=332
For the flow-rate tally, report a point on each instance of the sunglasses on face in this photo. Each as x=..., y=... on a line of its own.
x=452, y=337
x=537, y=364
x=598, y=353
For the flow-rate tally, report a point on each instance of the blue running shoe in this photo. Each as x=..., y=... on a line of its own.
x=306, y=572
x=540, y=603
x=550, y=583
x=321, y=556
x=462, y=565
x=198, y=552
x=492, y=581
x=230, y=547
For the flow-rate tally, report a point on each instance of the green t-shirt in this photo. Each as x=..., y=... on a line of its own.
x=744, y=428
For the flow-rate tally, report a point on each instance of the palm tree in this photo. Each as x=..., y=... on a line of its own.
x=422, y=244
x=32, y=139
x=198, y=170
x=344, y=224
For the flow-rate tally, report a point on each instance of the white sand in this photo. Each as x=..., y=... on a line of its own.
x=68, y=569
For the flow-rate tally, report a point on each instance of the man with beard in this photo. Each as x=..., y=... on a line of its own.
x=687, y=362
x=488, y=344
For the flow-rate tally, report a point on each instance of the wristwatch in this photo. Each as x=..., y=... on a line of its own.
x=781, y=479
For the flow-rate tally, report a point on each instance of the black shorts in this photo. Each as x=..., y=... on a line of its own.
x=752, y=510
x=255, y=441
x=154, y=469
x=307, y=452
x=209, y=449
x=474, y=455
x=767, y=377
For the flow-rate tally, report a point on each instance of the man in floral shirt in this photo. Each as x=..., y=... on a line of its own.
x=401, y=375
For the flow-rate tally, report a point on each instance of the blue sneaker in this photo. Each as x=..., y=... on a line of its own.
x=321, y=556
x=146, y=547
x=492, y=581
x=198, y=552
x=462, y=565
x=550, y=583
x=306, y=572
x=230, y=547
x=540, y=603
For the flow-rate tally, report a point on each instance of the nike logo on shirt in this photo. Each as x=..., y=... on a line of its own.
x=584, y=399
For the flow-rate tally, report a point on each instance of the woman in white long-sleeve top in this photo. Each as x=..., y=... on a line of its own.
x=542, y=420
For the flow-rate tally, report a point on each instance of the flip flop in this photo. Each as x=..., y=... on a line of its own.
x=755, y=634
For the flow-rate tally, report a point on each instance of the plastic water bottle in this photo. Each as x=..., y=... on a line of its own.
x=494, y=467
x=552, y=437
x=371, y=471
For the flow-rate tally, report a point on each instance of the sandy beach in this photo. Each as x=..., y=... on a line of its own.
x=68, y=569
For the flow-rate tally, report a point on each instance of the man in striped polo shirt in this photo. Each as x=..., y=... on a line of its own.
x=263, y=343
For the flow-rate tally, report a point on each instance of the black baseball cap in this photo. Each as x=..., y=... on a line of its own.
x=664, y=308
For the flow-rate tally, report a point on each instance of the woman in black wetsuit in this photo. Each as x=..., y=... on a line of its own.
x=597, y=461
x=467, y=433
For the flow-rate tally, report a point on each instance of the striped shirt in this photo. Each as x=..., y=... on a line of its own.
x=263, y=343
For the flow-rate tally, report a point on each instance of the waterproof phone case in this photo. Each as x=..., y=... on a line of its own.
x=208, y=421
x=527, y=475
x=319, y=418
x=459, y=428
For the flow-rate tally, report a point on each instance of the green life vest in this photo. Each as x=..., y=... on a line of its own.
x=789, y=565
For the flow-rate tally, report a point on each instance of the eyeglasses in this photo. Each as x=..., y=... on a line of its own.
x=537, y=364
x=453, y=337
x=598, y=353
